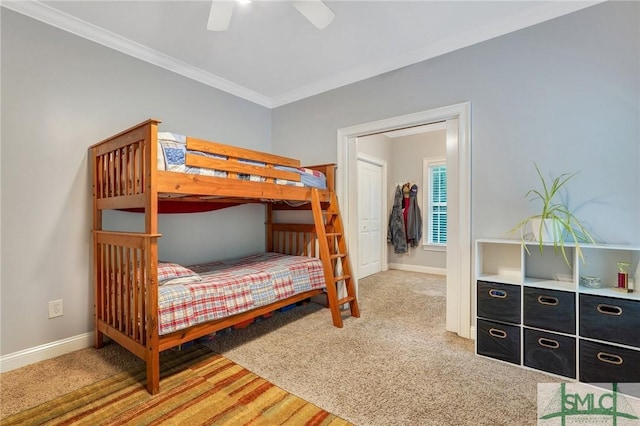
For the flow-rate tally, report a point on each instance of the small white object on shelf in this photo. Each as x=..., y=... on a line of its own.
x=590, y=282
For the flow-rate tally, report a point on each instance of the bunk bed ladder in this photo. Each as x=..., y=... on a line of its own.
x=333, y=253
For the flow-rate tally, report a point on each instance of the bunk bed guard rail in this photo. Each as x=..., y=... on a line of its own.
x=126, y=286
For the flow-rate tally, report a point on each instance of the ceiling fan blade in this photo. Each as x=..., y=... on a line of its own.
x=316, y=12
x=220, y=15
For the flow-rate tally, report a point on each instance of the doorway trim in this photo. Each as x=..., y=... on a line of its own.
x=459, y=246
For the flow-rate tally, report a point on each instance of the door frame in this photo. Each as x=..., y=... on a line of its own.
x=459, y=247
x=361, y=156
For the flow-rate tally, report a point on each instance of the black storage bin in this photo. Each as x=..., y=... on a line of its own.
x=610, y=318
x=499, y=302
x=500, y=341
x=600, y=363
x=550, y=352
x=550, y=309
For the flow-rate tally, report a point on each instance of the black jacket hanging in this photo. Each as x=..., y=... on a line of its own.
x=396, y=234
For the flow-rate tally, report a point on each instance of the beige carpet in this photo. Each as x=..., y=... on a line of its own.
x=43, y=381
x=396, y=365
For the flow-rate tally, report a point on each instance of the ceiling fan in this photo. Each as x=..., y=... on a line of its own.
x=315, y=11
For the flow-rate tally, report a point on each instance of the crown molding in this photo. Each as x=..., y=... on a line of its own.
x=44, y=13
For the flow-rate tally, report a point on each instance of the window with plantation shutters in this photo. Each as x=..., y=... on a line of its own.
x=435, y=173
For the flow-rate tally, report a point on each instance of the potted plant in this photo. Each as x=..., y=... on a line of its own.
x=555, y=223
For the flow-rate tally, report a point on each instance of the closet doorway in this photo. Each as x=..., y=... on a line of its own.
x=459, y=244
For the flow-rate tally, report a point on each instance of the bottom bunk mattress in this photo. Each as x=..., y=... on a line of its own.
x=215, y=290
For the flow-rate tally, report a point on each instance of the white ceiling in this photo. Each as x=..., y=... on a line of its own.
x=272, y=55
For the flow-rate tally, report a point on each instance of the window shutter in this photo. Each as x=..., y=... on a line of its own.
x=438, y=204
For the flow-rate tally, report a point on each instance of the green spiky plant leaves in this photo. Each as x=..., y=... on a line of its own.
x=565, y=224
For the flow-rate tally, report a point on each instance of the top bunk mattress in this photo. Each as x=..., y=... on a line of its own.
x=172, y=153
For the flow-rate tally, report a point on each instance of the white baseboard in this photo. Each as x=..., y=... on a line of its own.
x=46, y=351
x=416, y=268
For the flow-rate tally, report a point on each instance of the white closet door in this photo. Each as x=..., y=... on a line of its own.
x=370, y=218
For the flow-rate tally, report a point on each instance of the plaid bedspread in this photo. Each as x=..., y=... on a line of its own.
x=232, y=287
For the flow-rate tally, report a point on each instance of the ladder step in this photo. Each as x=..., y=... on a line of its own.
x=338, y=255
x=346, y=300
x=341, y=278
x=333, y=234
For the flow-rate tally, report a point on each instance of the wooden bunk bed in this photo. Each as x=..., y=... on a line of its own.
x=127, y=176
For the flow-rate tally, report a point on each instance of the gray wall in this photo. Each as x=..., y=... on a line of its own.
x=60, y=94
x=564, y=94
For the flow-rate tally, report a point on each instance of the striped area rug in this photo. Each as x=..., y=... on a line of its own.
x=198, y=387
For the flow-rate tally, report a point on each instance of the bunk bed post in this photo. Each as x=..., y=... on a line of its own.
x=153, y=349
x=269, y=227
x=330, y=173
x=151, y=227
x=151, y=177
x=98, y=338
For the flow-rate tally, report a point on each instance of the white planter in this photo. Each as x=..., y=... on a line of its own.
x=551, y=230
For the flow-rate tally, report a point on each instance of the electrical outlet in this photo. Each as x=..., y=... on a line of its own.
x=55, y=308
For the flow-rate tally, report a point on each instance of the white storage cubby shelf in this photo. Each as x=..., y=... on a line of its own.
x=508, y=262
x=532, y=311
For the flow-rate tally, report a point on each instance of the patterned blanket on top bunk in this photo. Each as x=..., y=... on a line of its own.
x=210, y=291
x=172, y=154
